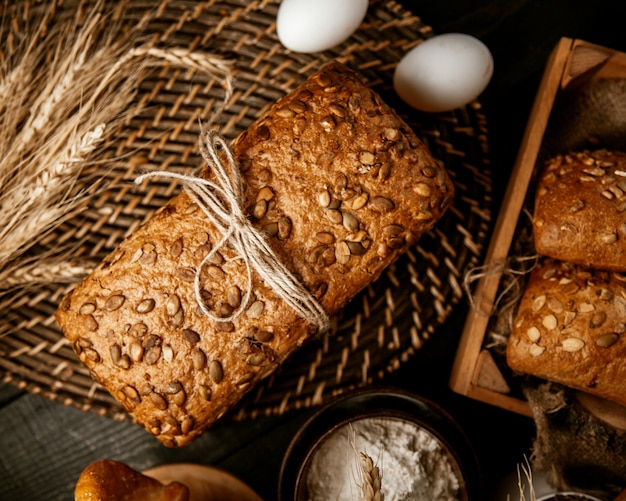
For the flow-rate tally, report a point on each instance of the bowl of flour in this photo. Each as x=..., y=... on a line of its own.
x=380, y=444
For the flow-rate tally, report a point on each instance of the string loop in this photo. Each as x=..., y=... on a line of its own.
x=222, y=202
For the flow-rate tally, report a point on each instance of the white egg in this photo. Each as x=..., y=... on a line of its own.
x=444, y=72
x=317, y=25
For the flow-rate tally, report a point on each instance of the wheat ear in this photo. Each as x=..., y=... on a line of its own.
x=368, y=475
x=371, y=479
x=48, y=271
x=35, y=208
x=61, y=81
x=54, y=107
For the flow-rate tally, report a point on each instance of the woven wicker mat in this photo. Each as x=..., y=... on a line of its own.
x=385, y=324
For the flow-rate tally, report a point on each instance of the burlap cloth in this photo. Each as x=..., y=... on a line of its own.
x=587, y=117
x=573, y=448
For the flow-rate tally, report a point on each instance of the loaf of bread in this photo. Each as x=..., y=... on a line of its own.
x=112, y=480
x=580, y=209
x=570, y=328
x=339, y=185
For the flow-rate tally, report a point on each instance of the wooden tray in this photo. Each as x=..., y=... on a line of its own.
x=575, y=108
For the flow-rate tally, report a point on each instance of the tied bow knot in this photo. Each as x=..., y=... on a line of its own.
x=222, y=202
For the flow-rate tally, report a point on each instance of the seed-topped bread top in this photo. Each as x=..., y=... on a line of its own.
x=580, y=209
x=339, y=185
x=570, y=328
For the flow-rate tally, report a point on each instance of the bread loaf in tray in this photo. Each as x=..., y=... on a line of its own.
x=580, y=209
x=570, y=328
x=339, y=185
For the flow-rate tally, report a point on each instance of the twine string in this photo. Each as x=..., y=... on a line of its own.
x=222, y=202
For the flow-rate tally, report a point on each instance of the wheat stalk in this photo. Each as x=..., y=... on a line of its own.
x=208, y=63
x=9, y=82
x=39, y=94
x=47, y=136
x=54, y=114
x=368, y=475
x=43, y=110
x=371, y=479
x=11, y=73
x=51, y=270
x=528, y=474
x=36, y=85
x=47, y=185
x=40, y=201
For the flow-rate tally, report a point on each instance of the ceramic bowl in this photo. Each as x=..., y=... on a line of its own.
x=568, y=496
x=418, y=447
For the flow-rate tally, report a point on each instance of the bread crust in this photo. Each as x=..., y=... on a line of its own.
x=570, y=328
x=107, y=479
x=580, y=209
x=341, y=186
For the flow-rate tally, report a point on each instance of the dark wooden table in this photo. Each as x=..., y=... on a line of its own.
x=44, y=445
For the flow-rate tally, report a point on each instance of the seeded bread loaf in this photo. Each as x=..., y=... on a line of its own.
x=580, y=209
x=340, y=185
x=570, y=328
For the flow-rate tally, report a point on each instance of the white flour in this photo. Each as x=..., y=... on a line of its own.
x=413, y=463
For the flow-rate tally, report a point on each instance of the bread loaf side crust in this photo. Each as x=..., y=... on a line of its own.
x=580, y=209
x=341, y=186
x=570, y=328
